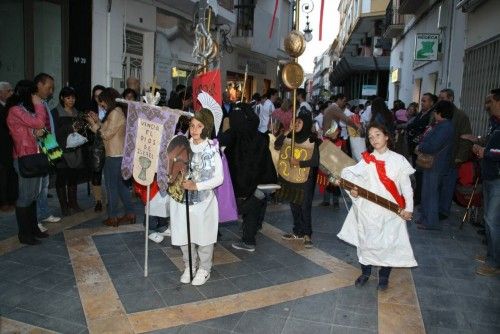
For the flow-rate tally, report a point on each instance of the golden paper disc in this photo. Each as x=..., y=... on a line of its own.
x=292, y=75
x=295, y=43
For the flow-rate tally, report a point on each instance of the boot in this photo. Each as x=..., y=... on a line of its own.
x=63, y=200
x=97, y=192
x=25, y=233
x=34, y=222
x=72, y=203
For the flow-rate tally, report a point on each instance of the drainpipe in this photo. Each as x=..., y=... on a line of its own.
x=108, y=45
x=450, y=45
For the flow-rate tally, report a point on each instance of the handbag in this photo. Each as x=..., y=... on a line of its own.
x=74, y=158
x=426, y=161
x=49, y=146
x=98, y=153
x=33, y=165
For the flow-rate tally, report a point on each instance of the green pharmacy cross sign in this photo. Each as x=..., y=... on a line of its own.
x=426, y=46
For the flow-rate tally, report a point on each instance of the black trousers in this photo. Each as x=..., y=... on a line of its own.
x=66, y=177
x=253, y=211
x=383, y=273
x=302, y=220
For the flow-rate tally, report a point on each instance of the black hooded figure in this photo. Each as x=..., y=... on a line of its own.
x=250, y=164
x=300, y=194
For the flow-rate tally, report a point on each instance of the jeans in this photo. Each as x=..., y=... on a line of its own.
x=430, y=199
x=491, y=196
x=116, y=187
x=446, y=191
x=29, y=188
x=42, y=203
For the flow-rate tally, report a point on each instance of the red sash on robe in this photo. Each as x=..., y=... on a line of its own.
x=386, y=181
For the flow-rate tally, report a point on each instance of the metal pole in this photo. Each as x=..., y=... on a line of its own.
x=186, y=192
x=294, y=94
x=146, y=239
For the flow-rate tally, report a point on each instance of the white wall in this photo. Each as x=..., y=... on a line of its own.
x=448, y=67
x=483, y=23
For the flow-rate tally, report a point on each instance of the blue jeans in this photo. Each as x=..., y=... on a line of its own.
x=116, y=187
x=491, y=196
x=29, y=188
x=429, y=201
x=42, y=203
x=446, y=191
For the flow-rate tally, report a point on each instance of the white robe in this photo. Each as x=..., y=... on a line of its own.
x=380, y=235
x=203, y=216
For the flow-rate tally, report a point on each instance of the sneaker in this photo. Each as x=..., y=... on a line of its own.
x=201, y=277
x=185, y=276
x=486, y=270
x=308, y=242
x=243, y=246
x=156, y=237
x=291, y=236
x=51, y=219
x=42, y=228
x=481, y=258
x=166, y=233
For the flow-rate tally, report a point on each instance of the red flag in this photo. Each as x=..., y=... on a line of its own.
x=274, y=17
x=209, y=82
x=321, y=19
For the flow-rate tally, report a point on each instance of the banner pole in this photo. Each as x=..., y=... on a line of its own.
x=146, y=234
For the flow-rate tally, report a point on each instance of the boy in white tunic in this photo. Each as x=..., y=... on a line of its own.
x=205, y=171
x=380, y=235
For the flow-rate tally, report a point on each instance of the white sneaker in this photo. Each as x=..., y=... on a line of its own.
x=156, y=237
x=166, y=233
x=51, y=219
x=185, y=275
x=42, y=228
x=201, y=277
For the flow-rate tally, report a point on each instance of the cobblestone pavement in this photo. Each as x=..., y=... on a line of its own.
x=90, y=278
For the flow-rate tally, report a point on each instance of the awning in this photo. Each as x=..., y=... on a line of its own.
x=349, y=65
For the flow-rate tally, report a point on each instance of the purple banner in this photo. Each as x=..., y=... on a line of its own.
x=161, y=115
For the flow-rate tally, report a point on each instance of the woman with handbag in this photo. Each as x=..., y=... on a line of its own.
x=433, y=157
x=112, y=131
x=69, y=168
x=26, y=121
x=97, y=153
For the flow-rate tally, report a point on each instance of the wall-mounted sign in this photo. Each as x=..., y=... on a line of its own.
x=369, y=90
x=426, y=46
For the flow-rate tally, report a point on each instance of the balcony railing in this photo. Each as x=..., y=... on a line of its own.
x=394, y=21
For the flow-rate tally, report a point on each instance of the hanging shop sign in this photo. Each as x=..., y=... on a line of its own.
x=369, y=90
x=426, y=46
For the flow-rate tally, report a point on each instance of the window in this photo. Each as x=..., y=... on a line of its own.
x=132, y=64
x=244, y=21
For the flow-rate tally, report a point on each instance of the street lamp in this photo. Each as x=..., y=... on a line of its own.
x=308, y=8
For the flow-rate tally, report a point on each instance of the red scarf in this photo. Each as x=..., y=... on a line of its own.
x=386, y=181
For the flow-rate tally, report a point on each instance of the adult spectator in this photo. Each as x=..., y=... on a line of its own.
x=366, y=115
x=256, y=103
x=490, y=173
x=334, y=112
x=267, y=109
x=382, y=115
x=415, y=130
x=112, y=132
x=44, y=84
x=129, y=94
x=400, y=113
x=69, y=168
x=437, y=141
x=304, y=106
x=26, y=120
x=461, y=153
x=96, y=179
x=8, y=176
x=134, y=84
x=283, y=116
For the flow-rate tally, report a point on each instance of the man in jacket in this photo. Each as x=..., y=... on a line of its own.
x=460, y=154
x=490, y=172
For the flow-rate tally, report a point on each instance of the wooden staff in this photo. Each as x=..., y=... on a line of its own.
x=372, y=197
x=244, y=82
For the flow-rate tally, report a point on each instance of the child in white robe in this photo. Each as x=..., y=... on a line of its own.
x=380, y=235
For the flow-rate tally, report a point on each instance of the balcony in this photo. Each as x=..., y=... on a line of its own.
x=409, y=6
x=394, y=22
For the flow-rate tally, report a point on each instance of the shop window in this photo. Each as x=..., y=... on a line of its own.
x=244, y=18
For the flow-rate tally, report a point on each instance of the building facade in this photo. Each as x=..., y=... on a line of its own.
x=360, y=53
x=466, y=54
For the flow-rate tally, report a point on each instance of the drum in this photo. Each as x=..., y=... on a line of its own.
x=332, y=159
